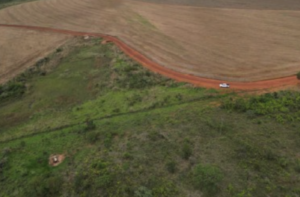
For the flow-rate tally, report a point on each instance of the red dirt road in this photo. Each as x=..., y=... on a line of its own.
x=153, y=66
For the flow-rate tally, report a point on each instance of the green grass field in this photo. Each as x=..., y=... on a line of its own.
x=128, y=132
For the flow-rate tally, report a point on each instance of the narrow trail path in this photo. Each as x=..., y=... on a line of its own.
x=153, y=66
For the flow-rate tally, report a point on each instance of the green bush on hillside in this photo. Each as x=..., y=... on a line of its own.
x=186, y=151
x=12, y=89
x=142, y=192
x=45, y=185
x=207, y=178
x=283, y=106
x=134, y=76
x=171, y=167
x=298, y=75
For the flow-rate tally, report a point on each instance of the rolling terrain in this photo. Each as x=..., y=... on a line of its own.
x=128, y=132
x=75, y=82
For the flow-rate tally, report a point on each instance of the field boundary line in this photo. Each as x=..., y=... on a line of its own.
x=110, y=116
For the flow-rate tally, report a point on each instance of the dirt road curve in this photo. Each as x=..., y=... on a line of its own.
x=153, y=66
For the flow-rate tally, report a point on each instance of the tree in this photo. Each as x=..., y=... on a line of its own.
x=298, y=75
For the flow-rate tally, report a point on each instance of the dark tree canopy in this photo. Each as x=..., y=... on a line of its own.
x=298, y=75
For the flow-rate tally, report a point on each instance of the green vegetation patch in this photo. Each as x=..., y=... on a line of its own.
x=283, y=106
x=207, y=178
x=11, y=90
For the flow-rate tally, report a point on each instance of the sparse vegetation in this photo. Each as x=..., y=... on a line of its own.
x=171, y=167
x=207, y=178
x=283, y=106
x=12, y=89
x=186, y=151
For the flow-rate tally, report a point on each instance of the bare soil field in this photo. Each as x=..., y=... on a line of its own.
x=236, y=4
x=21, y=48
x=251, y=42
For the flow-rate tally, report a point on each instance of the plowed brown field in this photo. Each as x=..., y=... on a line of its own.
x=21, y=48
x=241, y=44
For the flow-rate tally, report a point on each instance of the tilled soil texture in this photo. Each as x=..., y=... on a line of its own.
x=214, y=42
x=236, y=4
x=22, y=48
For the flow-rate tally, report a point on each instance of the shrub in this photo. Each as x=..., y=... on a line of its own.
x=44, y=186
x=298, y=75
x=207, y=178
x=42, y=61
x=297, y=166
x=82, y=182
x=134, y=76
x=6, y=151
x=171, y=167
x=58, y=50
x=143, y=192
x=179, y=96
x=283, y=106
x=186, y=151
x=12, y=89
x=108, y=140
x=3, y=163
x=90, y=125
x=22, y=144
x=127, y=156
x=100, y=175
x=164, y=188
x=92, y=137
x=155, y=136
x=135, y=98
x=104, y=181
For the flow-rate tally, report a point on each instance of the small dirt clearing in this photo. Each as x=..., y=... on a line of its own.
x=55, y=160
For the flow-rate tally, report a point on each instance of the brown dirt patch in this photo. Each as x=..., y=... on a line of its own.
x=55, y=160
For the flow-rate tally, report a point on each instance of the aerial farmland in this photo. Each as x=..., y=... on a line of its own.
x=149, y=98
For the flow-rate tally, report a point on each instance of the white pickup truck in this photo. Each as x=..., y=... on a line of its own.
x=224, y=85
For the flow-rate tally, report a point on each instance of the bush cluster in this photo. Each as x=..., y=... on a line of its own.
x=186, y=151
x=207, y=178
x=48, y=185
x=284, y=106
x=12, y=89
x=134, y=76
